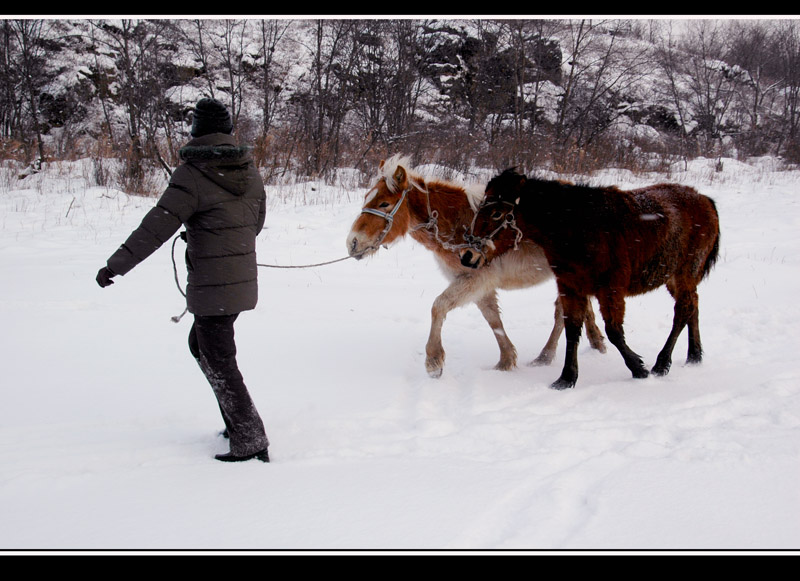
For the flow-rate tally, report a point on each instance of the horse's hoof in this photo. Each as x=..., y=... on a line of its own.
x=660, y=370
x=506, y=365
x=434, y=368
x=640, y=373
x=562, y=384
x=541, y=361
x=435, y=373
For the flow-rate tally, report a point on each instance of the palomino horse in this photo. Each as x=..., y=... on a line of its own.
x=437, y=214
x=606, y=243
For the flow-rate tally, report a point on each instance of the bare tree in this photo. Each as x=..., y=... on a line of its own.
x=405, y=88
x=195, y=34
x=229, y=45
x=534, y=69
x=30, y=58
x=385, y=83
x=10, y=113
x=712, y=82
x=322, y=104
x=751, y=48
x=141, y=80
x=218, y=46
x=600, y=67
x=670, y=62
x=507, y=91
x=271, y=32
x=787, y=62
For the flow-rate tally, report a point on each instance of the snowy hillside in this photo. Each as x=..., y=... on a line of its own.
x=108, y=429
x=316, y=94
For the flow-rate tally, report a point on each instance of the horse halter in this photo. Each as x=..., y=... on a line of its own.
x=388, y=216
x=431, y=225
x=509, y=221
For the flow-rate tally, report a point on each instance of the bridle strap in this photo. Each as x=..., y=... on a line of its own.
x=388, y=216
x=509, y=221
x=432, y=224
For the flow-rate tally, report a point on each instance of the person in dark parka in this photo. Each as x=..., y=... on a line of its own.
x=219, y=196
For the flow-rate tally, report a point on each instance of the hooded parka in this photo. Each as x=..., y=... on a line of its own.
x=218, y=194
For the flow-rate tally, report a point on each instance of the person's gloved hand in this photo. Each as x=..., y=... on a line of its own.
x=104, y=277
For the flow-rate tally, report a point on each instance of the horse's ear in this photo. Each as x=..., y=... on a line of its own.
x=400, y=176
x=517, y=187
x=520, y=185
x=380, y=165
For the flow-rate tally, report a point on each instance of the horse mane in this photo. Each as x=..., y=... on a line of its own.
x=473, y=192
x=510, y=188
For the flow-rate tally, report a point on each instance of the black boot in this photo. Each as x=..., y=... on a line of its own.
x=263, y=455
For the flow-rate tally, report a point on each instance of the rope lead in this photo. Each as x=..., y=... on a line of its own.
x=177, y=318
x=182, y=235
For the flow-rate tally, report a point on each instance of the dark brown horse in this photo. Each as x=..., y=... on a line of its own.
x=437, y=214
x=606, y=243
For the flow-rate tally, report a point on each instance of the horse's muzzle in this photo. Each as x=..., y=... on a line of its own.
x=471, y=255
x=470, y=258
x=354, y=248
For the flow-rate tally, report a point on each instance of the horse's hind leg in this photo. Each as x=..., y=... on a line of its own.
x=596, y=339
x=695, y=347
x=548, y=352
x=613, y=310
x=491, y=312
x=685, y=313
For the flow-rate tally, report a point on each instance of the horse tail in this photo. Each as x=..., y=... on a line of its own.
x=711, y=260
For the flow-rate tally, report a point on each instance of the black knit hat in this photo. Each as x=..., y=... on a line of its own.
x=210, y=116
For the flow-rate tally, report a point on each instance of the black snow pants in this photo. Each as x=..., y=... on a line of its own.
x=211, y=341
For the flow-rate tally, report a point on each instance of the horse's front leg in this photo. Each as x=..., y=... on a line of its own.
x=574, y=306
x=465, y=289
x=452, y=297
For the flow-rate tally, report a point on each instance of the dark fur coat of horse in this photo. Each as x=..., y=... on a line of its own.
x=606, y=243
x=437, y=214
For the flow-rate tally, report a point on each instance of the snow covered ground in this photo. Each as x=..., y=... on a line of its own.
x=108, y=429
